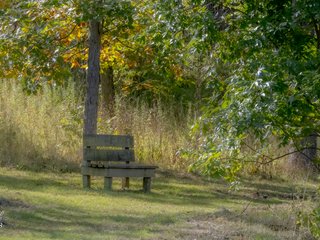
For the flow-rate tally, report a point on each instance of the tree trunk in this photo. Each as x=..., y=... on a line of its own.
x=305, y=158
x=108, y=93
x=93, y=77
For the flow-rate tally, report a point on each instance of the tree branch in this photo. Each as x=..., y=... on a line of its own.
x=281, y=156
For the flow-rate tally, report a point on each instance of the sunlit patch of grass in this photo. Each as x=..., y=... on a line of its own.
x=54, y=206
x=60, y=207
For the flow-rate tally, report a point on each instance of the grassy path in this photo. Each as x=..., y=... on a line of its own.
x=54, y=206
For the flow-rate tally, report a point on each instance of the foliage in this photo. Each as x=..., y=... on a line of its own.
x=36, y=40
x=311, y=220
x=150, y=45
x=272, y=89
x=44, y=41
x=259, y=61
x=314, y=222
x=161, y=46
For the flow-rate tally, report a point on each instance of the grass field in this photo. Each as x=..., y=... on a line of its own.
x=54, y=206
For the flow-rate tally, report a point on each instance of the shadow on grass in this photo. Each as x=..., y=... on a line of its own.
x=65, y=220
x=195, y=192
x=178, y=192
x=68, y=222
x=280, y=191
x=28, y=183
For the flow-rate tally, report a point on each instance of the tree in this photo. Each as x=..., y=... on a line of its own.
x=148, y=39
x=272, y=88
x=93, y=78
x=152, y=44
x=108, y=91
x=41, y=41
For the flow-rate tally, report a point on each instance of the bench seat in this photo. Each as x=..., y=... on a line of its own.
x=120, y=171
x=122, y=166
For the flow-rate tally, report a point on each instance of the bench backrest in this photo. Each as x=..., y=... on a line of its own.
x=113, y=148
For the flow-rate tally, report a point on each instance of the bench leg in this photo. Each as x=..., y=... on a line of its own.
x=146, y=184
x=108, y=183
x=125, y=183
x=86, y=181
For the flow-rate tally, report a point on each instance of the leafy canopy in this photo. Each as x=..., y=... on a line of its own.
x=272, y=86
x=148, y=43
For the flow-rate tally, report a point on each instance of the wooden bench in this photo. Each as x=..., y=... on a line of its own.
x=113, y=156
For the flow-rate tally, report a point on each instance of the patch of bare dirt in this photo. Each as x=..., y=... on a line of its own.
x=216, y=226
x=225, y=224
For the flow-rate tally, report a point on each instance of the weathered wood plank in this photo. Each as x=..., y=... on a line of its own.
x=130, y=166
x=106, y=164
x=86, y=181
x=109, y=155
x=118, y=172
x=121, y=141
x=146, y=184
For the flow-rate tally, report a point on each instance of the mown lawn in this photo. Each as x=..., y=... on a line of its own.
x=54, y=206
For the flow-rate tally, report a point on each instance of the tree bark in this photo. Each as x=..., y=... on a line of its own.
x=93, y=78
x=108, y=92
x=305, y=159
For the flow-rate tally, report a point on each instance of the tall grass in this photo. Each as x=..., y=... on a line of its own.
x=44, y=131
x=40, y=131
x=160, y=131
x=271, y=160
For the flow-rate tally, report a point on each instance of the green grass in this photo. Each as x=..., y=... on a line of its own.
x=54, y=206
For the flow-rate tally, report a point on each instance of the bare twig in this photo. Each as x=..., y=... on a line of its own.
x=300, y=150
x=245, y=208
